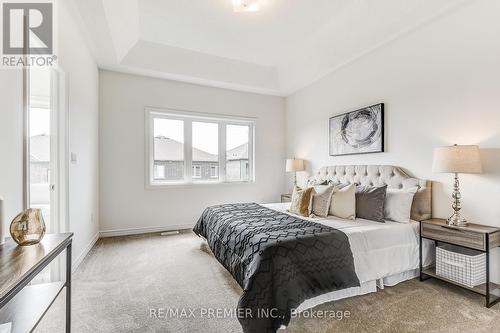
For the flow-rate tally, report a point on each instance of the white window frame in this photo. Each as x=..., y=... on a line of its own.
x=189, y=117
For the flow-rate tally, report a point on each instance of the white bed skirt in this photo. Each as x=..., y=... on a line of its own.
x=364, y=288
x=428, y=254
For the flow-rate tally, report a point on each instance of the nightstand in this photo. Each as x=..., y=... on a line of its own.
x=286, y=197
x=474, y=236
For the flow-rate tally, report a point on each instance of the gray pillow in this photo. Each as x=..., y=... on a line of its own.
x=370, y=203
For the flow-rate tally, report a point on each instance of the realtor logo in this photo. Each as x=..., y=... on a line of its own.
x=27, y=28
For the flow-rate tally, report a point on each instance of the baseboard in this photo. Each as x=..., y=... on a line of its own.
x=145, y=230
x=84, y=253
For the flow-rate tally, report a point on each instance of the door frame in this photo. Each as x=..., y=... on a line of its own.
x=60, y=143
x=59, y=146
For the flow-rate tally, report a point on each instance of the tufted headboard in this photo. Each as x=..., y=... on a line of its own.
x=380, y=175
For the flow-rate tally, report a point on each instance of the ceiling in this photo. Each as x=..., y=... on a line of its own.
x=284, y=47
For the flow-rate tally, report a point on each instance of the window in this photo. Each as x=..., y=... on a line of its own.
x=205, y=149
x=159, y=171
x=196, y=171
x=214, y=173
x=237, y=152
x=187, y=148
x=168, y=149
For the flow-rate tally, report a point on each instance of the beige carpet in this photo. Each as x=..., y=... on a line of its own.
x=124, y=278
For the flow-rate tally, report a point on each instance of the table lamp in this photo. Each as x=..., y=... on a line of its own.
x=457, y=159
x=294, y=165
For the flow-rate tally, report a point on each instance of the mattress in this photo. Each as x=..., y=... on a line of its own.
x=384, y=253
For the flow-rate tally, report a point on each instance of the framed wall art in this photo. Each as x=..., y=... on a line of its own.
x=357, y=132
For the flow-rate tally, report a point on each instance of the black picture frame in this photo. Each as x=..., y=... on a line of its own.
x=382, y=131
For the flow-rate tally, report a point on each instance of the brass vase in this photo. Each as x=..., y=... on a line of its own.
x=28, y=227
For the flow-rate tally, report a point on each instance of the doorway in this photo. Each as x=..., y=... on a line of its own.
x=46, y=151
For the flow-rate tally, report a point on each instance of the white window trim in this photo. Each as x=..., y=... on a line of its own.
x=188, y=117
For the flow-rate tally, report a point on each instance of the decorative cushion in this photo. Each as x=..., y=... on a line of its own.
x=370, y=202
x=398, y=204
x=302, y=201
x=380, y=175
x=321, y=200
x=343, y=203
x=313, y=182
x=335, y=183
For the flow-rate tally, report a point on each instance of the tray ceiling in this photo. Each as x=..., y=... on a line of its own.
x=284, y=47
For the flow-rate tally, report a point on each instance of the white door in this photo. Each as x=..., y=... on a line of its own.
x=46, y=151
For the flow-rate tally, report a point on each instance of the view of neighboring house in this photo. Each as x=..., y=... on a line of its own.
x=40, y=174
x=169, y=162
x=39, y=159
x=237, y=163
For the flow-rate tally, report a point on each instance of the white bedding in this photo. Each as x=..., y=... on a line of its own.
x=384, y=253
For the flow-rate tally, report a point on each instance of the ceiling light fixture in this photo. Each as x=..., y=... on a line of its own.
x=246, y=5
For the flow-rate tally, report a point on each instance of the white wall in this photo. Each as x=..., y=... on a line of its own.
x=11, y=142
x=81, y=70
x=440, y=86
x=80, y=67
x=124, y=201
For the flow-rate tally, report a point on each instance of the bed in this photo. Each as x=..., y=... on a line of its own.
x=288, y=263
x=384, y=254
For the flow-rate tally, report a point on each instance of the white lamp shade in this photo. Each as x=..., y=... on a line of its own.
x=457, y=159
x=293, y=165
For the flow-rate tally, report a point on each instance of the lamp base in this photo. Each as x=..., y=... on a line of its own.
x=457, y=220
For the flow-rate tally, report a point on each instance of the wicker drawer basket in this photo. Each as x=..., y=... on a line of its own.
x=464, y=266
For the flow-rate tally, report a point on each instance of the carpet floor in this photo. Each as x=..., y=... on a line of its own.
x=124, y=279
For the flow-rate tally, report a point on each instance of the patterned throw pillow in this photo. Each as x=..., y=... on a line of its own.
x=321, y=200
x=316, y=182
x=336, y=183
x=302, y=201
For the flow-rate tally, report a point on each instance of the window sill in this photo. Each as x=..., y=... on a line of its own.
x=167, y=186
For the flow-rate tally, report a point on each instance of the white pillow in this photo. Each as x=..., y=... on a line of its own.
x=343, y=202
x=398, y=204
